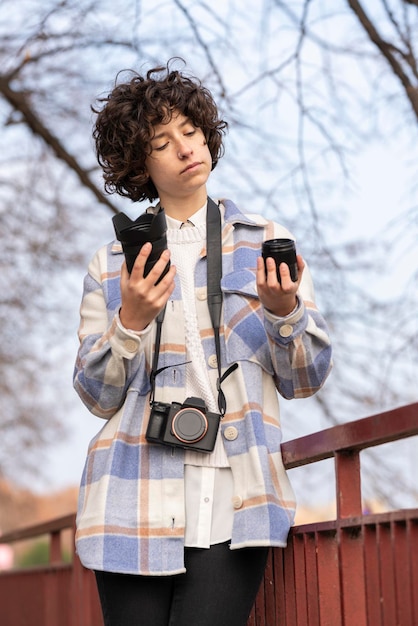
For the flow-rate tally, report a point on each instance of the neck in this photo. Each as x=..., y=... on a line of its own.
x=183, y=208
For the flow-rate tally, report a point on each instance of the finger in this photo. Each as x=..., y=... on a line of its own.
x=158, y=268
x=141, y=259
x=166, y=284
x=288, y=285
x=124, y=275
x=271, y=272
x=261, y=271
x=301, y=266
x=284, y=274
x=163, y=290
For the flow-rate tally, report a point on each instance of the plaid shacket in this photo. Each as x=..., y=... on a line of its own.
x=131, y=514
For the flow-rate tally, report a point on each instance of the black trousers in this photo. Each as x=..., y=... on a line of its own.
x=218, y=589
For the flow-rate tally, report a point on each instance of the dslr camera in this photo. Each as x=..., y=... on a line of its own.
x=189, y=425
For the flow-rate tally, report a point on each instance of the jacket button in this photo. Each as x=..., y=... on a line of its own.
x=237, y=502
x=286, y=330
x=213, y=361
x=230, y=433
x=131, y=345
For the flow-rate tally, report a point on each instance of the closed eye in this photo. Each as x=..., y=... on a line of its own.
x=160, y=148
x=190, y=133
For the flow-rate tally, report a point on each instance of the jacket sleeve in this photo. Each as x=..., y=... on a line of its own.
x=300, y=345
x=110, y=357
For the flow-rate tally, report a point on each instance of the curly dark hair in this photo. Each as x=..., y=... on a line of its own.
x=125, y=125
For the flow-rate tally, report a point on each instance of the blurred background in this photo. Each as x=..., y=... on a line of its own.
x=321, y=98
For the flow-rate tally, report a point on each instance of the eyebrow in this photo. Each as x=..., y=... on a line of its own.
x=163, y=133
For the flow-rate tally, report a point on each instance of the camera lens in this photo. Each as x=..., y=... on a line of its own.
x=282, y=251
x=189, y=425
x=133, y=235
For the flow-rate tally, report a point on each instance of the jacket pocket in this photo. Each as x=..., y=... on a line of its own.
x=245, y=336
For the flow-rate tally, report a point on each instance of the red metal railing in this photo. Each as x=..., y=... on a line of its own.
x=59, y=594
x=357, y=570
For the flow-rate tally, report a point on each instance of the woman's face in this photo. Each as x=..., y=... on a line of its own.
x=180, y=161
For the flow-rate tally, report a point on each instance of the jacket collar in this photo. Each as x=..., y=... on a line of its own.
x=233, y=215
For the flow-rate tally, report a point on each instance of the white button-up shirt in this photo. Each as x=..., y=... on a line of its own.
x=208, y=477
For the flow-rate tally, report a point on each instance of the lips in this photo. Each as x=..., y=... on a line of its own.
x=190, y=167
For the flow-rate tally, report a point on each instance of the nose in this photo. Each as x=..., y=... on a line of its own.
x=183, y=150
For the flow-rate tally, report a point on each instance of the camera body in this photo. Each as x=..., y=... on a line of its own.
x=189, y=425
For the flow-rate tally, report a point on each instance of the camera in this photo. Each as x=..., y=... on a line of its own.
x=189, y=425
x=134, y=233
x=282, y=251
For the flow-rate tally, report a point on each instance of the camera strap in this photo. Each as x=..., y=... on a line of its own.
x=214, y=274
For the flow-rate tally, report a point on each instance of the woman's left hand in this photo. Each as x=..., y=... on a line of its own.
x=278, y=298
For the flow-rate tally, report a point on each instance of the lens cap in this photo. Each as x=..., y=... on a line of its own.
x=189, y=425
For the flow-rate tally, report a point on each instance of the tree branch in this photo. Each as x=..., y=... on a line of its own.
x=19, y=102
x=204, y=46
x=387, y=51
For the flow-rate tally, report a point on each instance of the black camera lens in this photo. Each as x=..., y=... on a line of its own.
x=133, y=234
x=189, y=425
x=282, y=251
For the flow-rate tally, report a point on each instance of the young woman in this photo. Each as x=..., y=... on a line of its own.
x=176, y=535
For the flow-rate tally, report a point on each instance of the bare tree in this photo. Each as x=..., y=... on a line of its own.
x=304, y=85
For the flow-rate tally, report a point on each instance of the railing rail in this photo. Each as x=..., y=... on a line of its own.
x=356, y=570
x=352, y=436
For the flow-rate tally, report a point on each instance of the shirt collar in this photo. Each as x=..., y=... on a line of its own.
x=197, y=219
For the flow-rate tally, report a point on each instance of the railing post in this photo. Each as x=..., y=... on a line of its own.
x=350, y=540
x=55, y=551
x=348, y=484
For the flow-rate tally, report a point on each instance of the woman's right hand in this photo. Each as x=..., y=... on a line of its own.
x=142, y=299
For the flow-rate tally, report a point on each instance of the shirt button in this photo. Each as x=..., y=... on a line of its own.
x=131, y=345
x=286, y=330
x=201, y=293
x=207, y=499
x=230, y=433
x=213, y=361
x=237, y=502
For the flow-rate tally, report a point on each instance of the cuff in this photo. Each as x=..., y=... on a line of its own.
x=124, y=341
x=285, y=329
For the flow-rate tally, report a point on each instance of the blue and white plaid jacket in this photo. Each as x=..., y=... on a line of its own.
x=131, y=514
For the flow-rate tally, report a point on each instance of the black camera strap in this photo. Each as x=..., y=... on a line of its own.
x=214, y=274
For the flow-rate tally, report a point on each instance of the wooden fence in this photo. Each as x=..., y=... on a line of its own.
x=356, y=570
